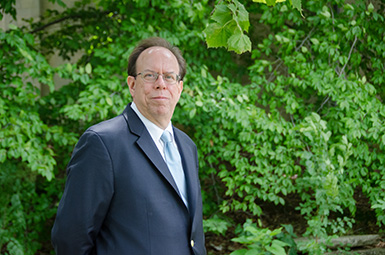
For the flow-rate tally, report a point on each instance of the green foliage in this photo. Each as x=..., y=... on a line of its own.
x=216, y=225
x=37, y=133
x=310, y=121
x=231, y=21
x=27, y=143
x=24, y=135
x=295, y=3
x=302, y=115
x=25, y=221
x=262, y=240
x=7, y=6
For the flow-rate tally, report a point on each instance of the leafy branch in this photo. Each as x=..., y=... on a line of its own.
x=231, y=22
x=341, y=72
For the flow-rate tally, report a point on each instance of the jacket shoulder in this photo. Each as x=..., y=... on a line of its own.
x=183, y=137
x=110, y=126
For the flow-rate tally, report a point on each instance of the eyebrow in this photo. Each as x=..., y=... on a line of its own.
x=148, y=70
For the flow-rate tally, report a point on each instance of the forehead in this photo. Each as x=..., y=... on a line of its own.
x=157, y=57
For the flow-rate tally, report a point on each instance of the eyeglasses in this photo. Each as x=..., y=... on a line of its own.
x=150, y=76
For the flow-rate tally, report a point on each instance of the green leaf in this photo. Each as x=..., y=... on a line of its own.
x=239, y=43
x=227, y=30
x=222, y=14
x=192, y=113
x=239, y=252
x=380, y=205
x=241, y=16
x=298, y=5
x=12, y=26
x=216, y=36
x=370, y=7
x=61, y=3
x=276, y=248
x=25, y=54
x=314, y=41
x=3, y=155
x=88, y=68
x=109, y=101
x=270, y=2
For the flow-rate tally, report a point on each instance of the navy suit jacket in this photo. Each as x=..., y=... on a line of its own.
x=120, y=197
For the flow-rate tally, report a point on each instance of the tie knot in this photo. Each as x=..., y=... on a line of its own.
x=166, y=137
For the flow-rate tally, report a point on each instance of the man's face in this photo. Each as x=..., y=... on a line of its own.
x=156, y=100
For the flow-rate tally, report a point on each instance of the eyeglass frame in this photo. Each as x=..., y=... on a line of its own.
x=178, y=77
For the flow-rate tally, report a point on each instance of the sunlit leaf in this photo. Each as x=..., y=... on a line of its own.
x=239, y=43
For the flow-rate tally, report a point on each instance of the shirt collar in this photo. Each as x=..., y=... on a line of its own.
x=155, y=131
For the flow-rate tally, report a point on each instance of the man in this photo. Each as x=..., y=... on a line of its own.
x=121, y=195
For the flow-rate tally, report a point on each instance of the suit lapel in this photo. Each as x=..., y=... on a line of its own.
x=147, y=145
x=193, y=186
x=189, y=165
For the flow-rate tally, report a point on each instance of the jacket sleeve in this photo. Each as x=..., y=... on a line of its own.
x=86, y=198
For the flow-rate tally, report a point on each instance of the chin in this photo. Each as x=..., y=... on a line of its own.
x=162, y=111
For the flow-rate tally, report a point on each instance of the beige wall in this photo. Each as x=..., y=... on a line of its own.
x=27, y=9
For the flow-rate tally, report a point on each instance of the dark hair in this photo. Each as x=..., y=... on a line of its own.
x=155, y=42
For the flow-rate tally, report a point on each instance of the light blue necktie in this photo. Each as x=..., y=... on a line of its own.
x=174, y=164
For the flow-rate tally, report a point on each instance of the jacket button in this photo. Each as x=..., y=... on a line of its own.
x=192, y=243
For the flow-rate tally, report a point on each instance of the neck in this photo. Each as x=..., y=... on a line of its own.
x=160, y=122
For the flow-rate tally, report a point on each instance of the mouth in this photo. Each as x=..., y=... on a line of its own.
x=160, y=98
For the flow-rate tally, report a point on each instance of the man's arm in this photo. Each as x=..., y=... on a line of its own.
x=87, y=195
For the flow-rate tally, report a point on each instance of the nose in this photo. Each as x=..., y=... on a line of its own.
x=160, y=83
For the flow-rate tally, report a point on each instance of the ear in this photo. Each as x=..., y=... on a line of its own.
x=180, y=87
x=131, y=82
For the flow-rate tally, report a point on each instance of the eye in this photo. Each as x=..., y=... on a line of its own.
x=170, y=77
x=149, y=75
